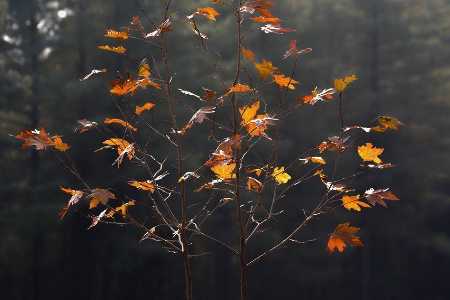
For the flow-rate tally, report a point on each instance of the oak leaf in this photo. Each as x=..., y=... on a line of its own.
x=369, y=153
x=343, y=235
x=198, y=117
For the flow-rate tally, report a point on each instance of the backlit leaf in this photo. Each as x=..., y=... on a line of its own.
x=240, y=88
x=280, y=175
x=224, y=171
x=265, y=69
x=92, y=73
x=119, y=49
x=253, y=184
x=146, y=106
x=283, y=81
x=343, y=235
x=341, y=84
x=389, y=122
x=100, y=196
x=121, y=122
x=369, y=153
x=352, y=202
x=85, y=125
x=142, y=185
x=117, y=35
x=248, y=54
x=378, y=196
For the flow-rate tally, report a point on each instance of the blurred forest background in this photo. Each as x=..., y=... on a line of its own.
x=398, y=49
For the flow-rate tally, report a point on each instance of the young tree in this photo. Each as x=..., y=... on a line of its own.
x=237, y=163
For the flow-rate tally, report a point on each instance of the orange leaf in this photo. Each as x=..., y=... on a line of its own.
x=288, y=82
x=343, y=235
x=100, y=195
x=208, y=12
x=253, y=184
x=37, y=138
x=117, y=35
x=265, y=69
x=121, y=122
x=271, y=20
x=122, y=209
x=146, y=106
x=76, y=195
x=240, y=88
x=352, y=202
x=118, y=49
x=224, y=171
x=121, y=145
x=368, y=153
x=389, y=122
x=249, y=54
x=142, y=185
x=60, y=145
x=209, y=94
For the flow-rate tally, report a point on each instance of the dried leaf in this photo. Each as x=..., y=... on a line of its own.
x=146, y=106
x=100, y=196
x=119, y=49
x=343, y=235
x=280, y=175
x=352, y=202
x=377, y=196
x=369, y=153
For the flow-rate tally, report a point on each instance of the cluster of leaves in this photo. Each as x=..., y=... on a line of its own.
x=235, y=165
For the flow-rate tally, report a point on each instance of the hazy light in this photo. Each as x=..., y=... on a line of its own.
x=62, y=13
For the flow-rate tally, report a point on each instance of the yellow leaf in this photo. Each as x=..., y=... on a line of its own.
x=248, y=113
x=369, y=153
x=224, y=171
x=280, y=176
x=288, y=82
x=117, y=35
x=352, y=202
x=265, y=69
x=118, y=49
x=144, y=69
x=340, y=84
